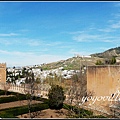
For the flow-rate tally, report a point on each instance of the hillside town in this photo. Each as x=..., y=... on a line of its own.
x=41, y=74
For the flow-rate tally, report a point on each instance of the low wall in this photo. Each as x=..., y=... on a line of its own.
x=23, y=90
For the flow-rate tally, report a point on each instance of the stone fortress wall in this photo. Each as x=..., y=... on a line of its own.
x=43, y=89
x=101, y=81
x=2, y=72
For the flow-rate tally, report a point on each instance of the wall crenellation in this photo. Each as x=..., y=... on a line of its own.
x=2, y=65
x=2, y=72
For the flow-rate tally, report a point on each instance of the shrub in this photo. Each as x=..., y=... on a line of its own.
x=113, y=60
x=99, y=62
x=78, y=112
x=56, y=97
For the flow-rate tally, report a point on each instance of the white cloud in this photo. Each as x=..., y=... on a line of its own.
x=65, y=46
x=104, y=48
x=11, y=41
x=17, y=58
x=15, y=53
x=24, y=30
x=8, y=35
x=54, y=43
x=106, y=30
x=5, y=41
x=98, y=37
x=34, y=42
x=20, y=41
x=117, y=4
x=74, y=52
x=4, y=52
x=117, y=15
x=72, y=32
x=76, y=32
x=108, y=41
x=116, y=25
x=85, y=37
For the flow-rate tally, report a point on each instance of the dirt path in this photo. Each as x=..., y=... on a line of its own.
x=48, y=113
x=16, y=104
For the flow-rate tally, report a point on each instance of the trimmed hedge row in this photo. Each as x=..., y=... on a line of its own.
x=2, y=92
x=12, y=98
x=42, y=99
x=21, y=96
x=13, y=112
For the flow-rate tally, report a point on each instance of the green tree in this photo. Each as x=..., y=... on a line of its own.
x=99, y=62
x=56, y=97
x=113, y=60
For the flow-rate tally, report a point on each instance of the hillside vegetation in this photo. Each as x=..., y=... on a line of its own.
x=108, y=53
x=73, y=63
x=76, y=62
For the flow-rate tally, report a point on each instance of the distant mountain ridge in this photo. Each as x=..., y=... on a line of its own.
x=108, y=53
x=77, y=61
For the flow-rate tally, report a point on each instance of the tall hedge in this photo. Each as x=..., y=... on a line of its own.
x=56, y=97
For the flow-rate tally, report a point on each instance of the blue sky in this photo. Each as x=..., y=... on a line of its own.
x=33, y=33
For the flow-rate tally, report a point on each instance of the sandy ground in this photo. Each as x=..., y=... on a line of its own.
x=6, y=96
x=48, y=113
